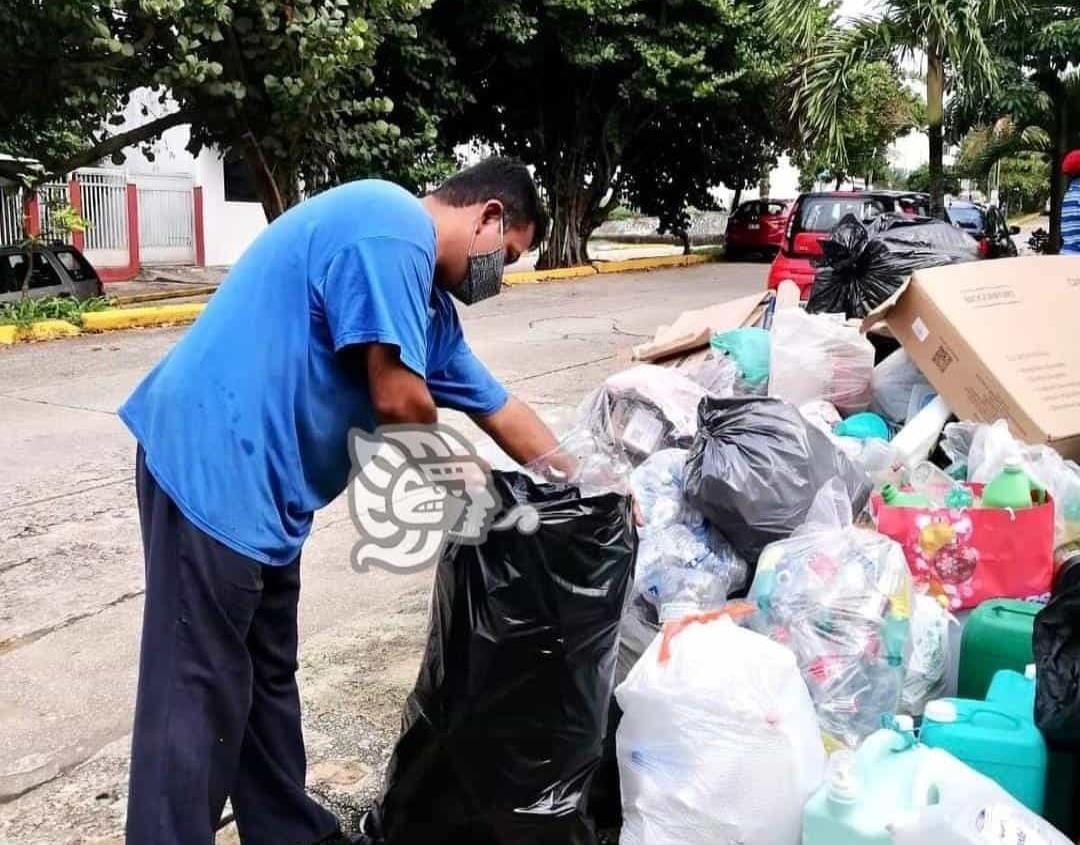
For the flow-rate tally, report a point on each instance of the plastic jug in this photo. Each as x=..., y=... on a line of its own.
x=1011, y=488
x=996, y=636
x=864, y=791
x=916, y=440
x=996, y=737
x=892, y=495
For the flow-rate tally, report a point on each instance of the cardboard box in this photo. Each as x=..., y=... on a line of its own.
x=998, y=340
x=693, y=329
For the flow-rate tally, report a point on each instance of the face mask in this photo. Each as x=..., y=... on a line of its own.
x=483, y=276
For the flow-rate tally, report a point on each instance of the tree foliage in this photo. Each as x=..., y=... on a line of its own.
x=951, y=35
x=919, y=180
x=613, y=99
x=292, y=86
x=878, y=109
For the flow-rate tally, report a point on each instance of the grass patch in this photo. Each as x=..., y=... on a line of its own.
x=27, y=311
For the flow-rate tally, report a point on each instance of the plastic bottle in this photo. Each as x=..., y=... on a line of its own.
x=1010, y=488
x=894, y=497
x=916, y=440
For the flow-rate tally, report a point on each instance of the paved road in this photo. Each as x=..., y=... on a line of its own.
x=70, y=561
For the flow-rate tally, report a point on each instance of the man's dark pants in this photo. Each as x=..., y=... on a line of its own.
x=218, y=711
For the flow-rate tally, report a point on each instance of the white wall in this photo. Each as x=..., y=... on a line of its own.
x=229, y=226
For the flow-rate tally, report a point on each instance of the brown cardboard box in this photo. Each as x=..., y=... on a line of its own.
x=998, y=339
x=693, y=329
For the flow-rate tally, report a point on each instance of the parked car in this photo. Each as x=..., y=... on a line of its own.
x=756, y=226
x=813, y=216
x=55, y=270
x=987, y=225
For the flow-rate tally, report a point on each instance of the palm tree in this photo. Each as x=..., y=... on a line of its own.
x=948, y=33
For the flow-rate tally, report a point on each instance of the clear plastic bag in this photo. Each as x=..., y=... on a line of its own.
x=898, y=387
x=718, y=741
x=840, y=598
x=643, y=409
x=925, y=675
x=717, y=375
x=818, y=356
x=683, y=565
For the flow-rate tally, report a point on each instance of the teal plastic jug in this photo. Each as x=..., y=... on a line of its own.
x=864, y=791
x=996, y=737
x=1011, y=488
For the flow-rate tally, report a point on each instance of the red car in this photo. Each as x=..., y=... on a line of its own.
x=813, y=217
x=756, y=226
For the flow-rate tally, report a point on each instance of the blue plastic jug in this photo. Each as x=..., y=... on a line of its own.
x=996, y=737
x=864, y=791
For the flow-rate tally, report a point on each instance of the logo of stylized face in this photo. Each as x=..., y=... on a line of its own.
x=412, y=489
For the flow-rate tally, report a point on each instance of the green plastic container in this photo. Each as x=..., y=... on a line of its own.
x=894, y=497
x=997, y=636
x=1011, y=488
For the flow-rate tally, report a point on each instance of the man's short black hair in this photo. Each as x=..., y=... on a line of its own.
x=506, y=180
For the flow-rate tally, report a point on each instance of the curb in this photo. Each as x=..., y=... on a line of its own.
x=156, y=296
x=130, y=318
x=627, y=265
x=40, y=330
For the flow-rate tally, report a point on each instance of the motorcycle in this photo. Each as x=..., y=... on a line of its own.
x=1039, y=241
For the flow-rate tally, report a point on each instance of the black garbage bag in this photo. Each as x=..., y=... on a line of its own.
x=505, y=727
x=755, y=467
x=1056, y=642
x=864, y=264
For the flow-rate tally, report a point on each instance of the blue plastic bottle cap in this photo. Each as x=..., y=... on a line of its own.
x=940, y=711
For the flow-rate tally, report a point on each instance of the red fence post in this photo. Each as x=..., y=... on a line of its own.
x=75, y=198
x=32, y=223
x=200, y=237
x=133, y=229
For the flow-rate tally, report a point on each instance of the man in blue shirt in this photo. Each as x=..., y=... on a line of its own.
x=338, y=316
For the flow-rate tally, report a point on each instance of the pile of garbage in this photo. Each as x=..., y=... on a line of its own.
x=794, y=591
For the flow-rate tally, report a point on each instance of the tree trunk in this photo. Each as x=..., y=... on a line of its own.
x=1060, y=143
x=573, y=220
x=266, y=186
x=935, y=113
x=736, y=198
x=684, y=237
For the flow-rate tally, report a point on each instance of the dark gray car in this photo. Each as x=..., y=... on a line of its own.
x=55, y=270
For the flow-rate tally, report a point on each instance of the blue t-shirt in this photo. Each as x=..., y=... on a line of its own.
x=1070, y=219
x=244, y=423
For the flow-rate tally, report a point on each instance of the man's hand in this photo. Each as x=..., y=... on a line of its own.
x=398, y=395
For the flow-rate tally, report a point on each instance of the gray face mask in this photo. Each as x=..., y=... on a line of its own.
x=483, y=276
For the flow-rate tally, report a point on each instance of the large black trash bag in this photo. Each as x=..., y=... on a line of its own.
x=865, y=264
x=755, y=467
x=1056, y=642
x=505, y=727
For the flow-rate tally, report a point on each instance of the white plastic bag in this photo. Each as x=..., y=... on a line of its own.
x=718, y=743
x=962, y=807
x=900, y=390
x=818, y=356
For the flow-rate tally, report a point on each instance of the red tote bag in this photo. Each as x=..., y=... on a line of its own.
x=973, y=554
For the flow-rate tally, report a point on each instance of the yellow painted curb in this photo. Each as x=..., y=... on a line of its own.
x=40, y=330
x=531, y=277
x=660, y=262
x=129, y=318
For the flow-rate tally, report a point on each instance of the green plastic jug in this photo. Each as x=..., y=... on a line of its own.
x=997, y=636
x=1011, y=488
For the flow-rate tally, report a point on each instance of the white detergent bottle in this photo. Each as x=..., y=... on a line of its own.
x=916, y=440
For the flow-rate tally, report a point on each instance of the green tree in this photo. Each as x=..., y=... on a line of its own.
x=949, y=34
x=878, y=110
x=613, y=99
x=919, y=180
x=291, y=86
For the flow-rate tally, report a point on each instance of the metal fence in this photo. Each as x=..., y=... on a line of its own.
x=104, y=206
x=166, y=219
x=11, y=214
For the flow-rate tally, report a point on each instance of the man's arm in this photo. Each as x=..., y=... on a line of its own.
x=520, y=433
x=398, y=395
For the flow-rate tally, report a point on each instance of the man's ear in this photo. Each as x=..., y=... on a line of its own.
x=493, y=210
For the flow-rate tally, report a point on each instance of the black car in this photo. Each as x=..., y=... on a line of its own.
x=987, y=225
x=55, y=270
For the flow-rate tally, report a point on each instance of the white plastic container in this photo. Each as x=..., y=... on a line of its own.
x=916, y=440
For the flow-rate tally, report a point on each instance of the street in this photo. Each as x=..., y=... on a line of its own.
x=71, y=576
